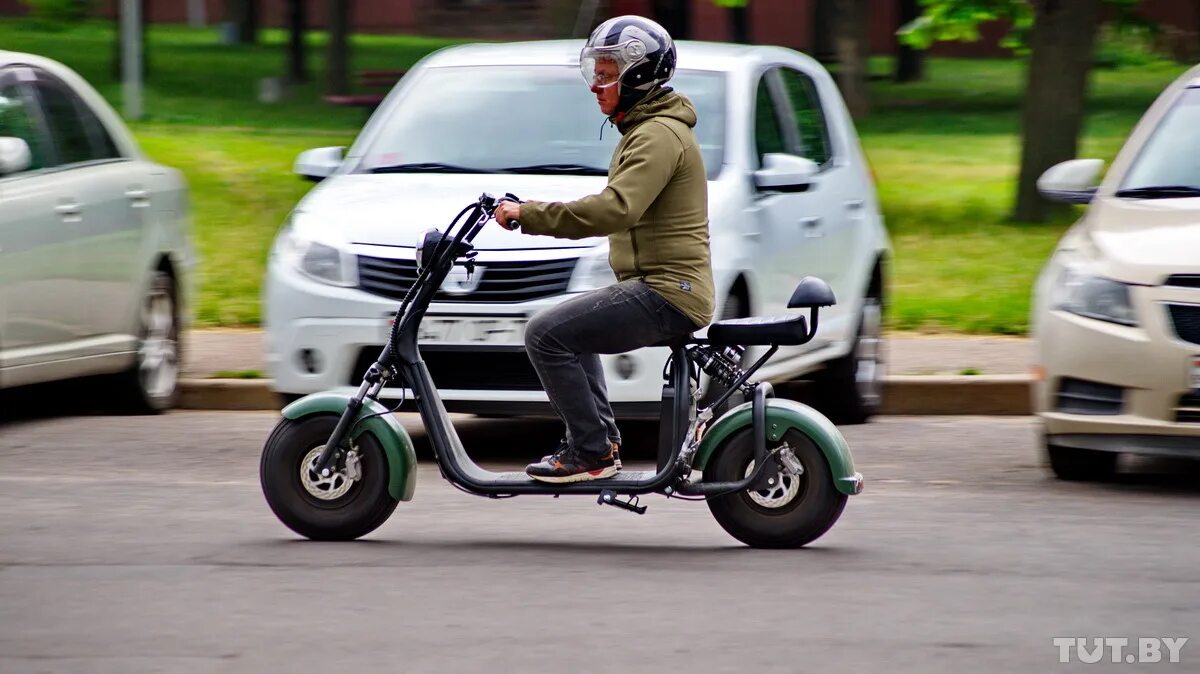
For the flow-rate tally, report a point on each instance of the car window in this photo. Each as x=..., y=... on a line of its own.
x=67, y=126
x=1172, y=155
x=496, y=117
x=768, y=131
x=807, y=115
x=17, y=120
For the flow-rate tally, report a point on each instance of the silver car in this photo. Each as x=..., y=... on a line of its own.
x=94, y=253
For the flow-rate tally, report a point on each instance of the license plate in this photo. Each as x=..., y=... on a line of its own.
x=1196, y=373
x=462, y=330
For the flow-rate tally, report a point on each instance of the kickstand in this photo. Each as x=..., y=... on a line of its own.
x=609, y=497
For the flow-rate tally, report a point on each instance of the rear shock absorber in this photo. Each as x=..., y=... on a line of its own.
x=721, y=364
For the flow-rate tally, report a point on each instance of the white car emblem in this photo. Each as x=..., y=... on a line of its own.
x=458, y=283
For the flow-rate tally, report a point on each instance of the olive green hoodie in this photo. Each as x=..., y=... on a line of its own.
x=654, y=209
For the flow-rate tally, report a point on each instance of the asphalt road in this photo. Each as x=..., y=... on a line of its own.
x=134, y=544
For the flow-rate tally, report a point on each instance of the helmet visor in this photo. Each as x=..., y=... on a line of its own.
x=602, y=67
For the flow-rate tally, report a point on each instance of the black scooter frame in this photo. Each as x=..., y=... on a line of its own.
x=402, y=356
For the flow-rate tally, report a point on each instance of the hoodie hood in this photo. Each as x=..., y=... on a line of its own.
x=665, y=102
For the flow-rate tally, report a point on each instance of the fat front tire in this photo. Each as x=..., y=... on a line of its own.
x=151, y=386
x=850, y=390
x=796, y=512
x=336, y=509
x=1081, y=465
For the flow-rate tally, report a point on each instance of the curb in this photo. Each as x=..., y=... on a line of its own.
x=1004, y=394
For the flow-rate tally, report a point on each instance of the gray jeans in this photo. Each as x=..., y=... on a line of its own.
x=563, y=344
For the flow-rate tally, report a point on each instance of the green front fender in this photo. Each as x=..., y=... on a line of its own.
x=402, y=458
x=783, y=415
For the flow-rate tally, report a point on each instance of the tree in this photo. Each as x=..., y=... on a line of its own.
x=823, y=27
x=297, y=57
x=337, y=58
x=739, y=19
x=243, y=14
x=1060, y=36
x=853, y=44
x=910, y=61
x=676, y=17
x=118, y=61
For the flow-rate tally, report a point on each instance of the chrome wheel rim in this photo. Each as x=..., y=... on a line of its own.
x=158, y=353
x=324, y=488
x=868, y=354
x=780, y=493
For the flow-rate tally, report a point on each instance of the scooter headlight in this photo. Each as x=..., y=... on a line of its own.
x=428, y=245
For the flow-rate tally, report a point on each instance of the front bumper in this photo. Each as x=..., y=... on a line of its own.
x=1146, y=368
x=320, y=337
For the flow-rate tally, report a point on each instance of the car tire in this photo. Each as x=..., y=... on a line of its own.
x=1080, y=465
x=850, y=389
x=151, y=386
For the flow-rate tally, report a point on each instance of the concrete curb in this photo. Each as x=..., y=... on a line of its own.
x=983, y=394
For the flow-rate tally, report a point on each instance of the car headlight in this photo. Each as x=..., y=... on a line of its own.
x=319, y=261
x=592, y=271
x=1079, y=291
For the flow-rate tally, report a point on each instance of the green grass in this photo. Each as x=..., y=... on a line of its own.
x=944, y=151
x=237, y=374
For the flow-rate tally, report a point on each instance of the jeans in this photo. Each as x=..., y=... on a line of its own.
x=564, y=341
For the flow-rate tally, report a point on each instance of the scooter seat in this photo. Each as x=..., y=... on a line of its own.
x=760, y=331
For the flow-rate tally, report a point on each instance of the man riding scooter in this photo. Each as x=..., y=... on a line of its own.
x=654, y=211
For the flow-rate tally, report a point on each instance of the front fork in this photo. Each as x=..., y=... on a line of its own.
x=333, y=453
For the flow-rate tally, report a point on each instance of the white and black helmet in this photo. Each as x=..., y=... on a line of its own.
x=642, y=49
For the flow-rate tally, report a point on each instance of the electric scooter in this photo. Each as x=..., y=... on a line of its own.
x=774, y=473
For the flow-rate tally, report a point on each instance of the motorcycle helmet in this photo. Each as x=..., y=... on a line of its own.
x=642, y=51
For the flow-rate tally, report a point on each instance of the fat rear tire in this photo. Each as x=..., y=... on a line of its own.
x=814, y=508
x=1081, y=465
x=357, y=513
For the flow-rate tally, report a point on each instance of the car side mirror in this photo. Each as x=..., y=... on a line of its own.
x=785, y=173
x=14, y=155
x=1072, y=182
x=320, y=163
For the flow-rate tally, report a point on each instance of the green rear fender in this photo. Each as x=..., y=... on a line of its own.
x=783, y=415
x=402, y=458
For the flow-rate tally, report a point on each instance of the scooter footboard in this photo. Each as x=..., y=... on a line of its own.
x=401, y=457
x=783, y=415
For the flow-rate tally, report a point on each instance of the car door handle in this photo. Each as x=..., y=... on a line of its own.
x=138, y=196
x=68, y=210
x=855, y=205
x=811, y=227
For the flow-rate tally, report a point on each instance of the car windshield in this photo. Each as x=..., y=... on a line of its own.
x=534, y=119
x=1171, y=158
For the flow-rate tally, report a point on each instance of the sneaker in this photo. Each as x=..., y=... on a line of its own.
x=566, y=465
x=562, y=444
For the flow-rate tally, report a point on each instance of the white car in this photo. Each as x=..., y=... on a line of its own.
x=95, y=259
x=790, y=194
x=1116, y=316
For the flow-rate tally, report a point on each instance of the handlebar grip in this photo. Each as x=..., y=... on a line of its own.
x=513, y=224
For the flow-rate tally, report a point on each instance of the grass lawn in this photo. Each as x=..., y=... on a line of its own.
x=944, y=151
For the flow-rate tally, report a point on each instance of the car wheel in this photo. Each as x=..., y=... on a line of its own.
x=1080, y=465
x=851, y=388
x=151, y=386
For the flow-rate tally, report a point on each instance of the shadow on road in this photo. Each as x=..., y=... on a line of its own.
x=565, y=547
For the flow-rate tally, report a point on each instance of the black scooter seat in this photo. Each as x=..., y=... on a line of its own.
x=760, y=330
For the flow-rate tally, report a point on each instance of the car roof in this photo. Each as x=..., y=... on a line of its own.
x=693, y=55
x=15, y=57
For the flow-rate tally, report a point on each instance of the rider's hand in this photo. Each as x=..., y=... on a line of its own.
x=507, y=210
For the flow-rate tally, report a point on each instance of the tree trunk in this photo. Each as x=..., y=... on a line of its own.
x=297, y=57
x=243, y=14
x=337, y=58
x=1061, y=46
x=853, y=48
x=739, y=24
x=824, y=26
x=118, y=60
x=675, y=16
x=910, y=63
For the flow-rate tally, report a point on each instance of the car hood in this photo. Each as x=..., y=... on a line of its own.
x=1144, y=241
x=394, y=209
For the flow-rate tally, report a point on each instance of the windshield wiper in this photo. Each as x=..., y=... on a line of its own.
x=1160, y=192
x=573, y=169
x=427, y=167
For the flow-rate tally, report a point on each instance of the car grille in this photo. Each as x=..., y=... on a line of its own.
x=498, y=281
x=477, y=369
x=1188, y=410
x=1184, y=280
x=1186, y=319
x=1076, y=396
